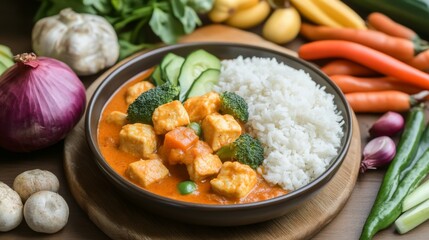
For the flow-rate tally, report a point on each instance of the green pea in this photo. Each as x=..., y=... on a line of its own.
x=186, y=187
x=196, y=127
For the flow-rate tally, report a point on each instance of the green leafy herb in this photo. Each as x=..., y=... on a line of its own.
x=138, y=23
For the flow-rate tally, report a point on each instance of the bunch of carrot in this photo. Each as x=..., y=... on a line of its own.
x=379, y=69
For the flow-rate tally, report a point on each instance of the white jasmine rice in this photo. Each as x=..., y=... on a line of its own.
x=292, y=116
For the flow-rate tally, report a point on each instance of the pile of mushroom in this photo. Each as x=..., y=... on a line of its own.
x=34, y=198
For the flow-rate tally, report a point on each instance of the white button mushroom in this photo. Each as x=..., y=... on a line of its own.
x=10, y=208
x=46, y=212
x=35, y=180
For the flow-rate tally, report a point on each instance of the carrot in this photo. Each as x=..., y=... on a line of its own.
x=342, y=66
x=383, y=23
x=379, y=102
x=180, y=138
x=349, y=84
x=398, y=48
x=421, y=61
x=366, y=56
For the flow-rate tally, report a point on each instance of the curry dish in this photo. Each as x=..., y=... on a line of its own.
x=160, y=156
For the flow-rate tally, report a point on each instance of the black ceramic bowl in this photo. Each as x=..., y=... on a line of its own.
x=216, y=215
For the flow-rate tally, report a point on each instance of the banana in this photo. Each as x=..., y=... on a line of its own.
x=223, y=9
x=312, y=12
x=250, y=17
x=247, y=4
x=341, y=13
x=282, y=26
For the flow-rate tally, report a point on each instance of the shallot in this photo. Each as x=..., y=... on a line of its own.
x=377, y=153
x=387, y=125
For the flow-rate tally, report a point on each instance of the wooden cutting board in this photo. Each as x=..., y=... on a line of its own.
x=120, y=219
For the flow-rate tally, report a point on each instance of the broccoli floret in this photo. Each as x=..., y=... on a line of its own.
x=245, y=149
x=235, y=105
x=141, y=110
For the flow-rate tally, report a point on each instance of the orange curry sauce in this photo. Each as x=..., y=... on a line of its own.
x=108, y=139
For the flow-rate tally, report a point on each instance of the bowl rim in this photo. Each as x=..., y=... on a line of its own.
x=141, y=192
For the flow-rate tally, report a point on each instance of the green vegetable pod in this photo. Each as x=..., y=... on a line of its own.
x=385, y=214
x=405, y=152
x=411, y=13
x=388, y=204
x=412, y=218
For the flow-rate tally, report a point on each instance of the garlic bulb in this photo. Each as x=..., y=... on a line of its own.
x=87, y=43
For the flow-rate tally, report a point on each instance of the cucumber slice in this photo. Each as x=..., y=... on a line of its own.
x=5, y=51
x=195, y=63
x=412, y=218
x=3, y=68
x=172, y=70
x=204, y=83
x=8, y=62
x=165, y=61
x=156, y=76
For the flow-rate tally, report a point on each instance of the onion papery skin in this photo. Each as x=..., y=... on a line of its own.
x=41, y=101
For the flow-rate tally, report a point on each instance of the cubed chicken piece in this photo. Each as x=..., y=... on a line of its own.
x=117, y=118
x=235, y=180
x=138, y=139
x=135, y=90
x=204, y=166
x=177, y=142
x=146, y=172
x=169, y=116
x=201, y=106
x=220, y=130
x=199, y=148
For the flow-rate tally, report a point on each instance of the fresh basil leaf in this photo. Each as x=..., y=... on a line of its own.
x=201, y=6
x=143, y=13
x=165, y=26
x=190, y=21
x=178, y=7
x=117, y=4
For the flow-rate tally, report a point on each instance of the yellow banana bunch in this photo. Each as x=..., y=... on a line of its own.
x=332, y=13
x=282, y=25
x=223, y=9
x=250, y=17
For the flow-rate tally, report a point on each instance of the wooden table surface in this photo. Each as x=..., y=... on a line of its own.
x=15, y=31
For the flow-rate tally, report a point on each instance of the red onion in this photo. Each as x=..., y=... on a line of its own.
x=41, y=100
x=377, y=153
x=387, y=125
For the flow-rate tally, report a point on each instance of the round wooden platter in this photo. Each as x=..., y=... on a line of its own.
x=121, y=219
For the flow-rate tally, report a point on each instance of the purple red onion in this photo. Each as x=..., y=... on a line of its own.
x=41, y=100
x=378, y=153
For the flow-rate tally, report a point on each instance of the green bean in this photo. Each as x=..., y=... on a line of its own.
x=423, y=145
x=186, y=187
x=385, y=214
x=405, y=152
x=396, y=185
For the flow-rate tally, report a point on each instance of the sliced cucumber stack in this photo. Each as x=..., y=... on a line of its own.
x=196, y=74
x=195, y=63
